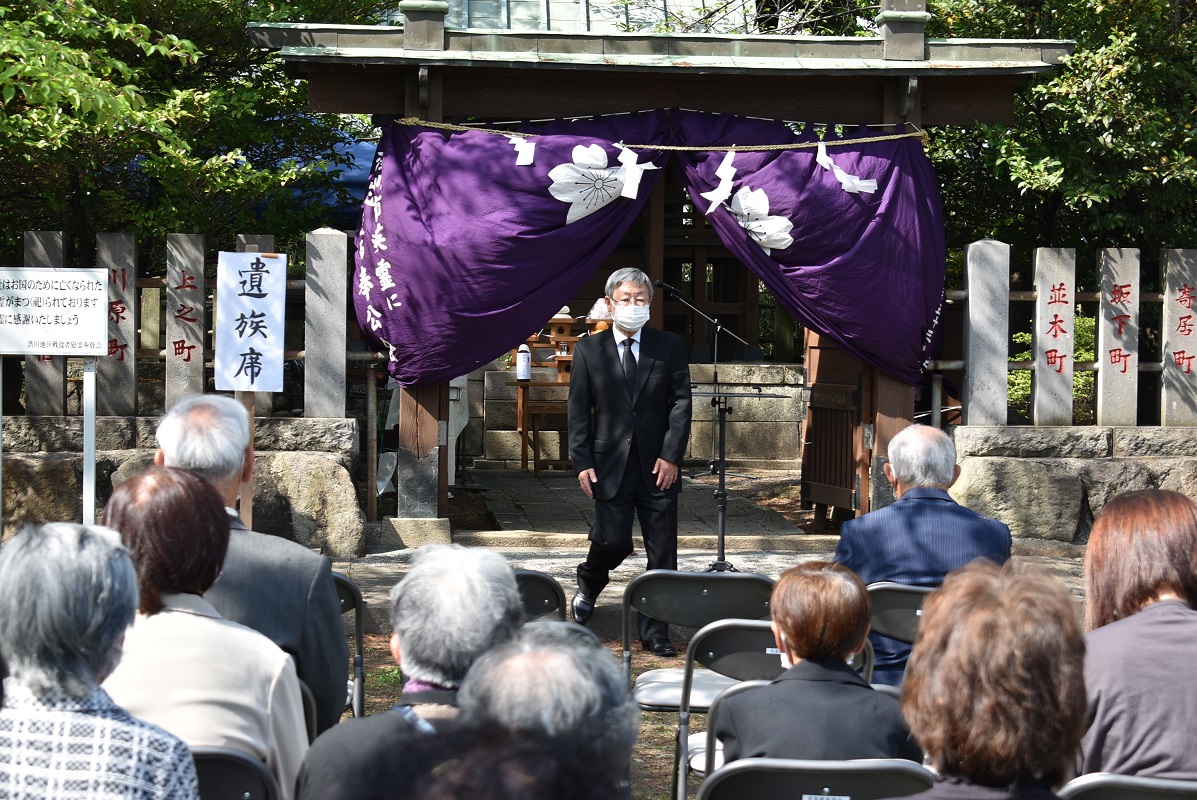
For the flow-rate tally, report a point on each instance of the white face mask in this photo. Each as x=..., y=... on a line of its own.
x=631, y=318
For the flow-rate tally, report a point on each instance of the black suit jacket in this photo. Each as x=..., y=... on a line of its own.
x=816, y=710
x=284, y=591
x=604, y=416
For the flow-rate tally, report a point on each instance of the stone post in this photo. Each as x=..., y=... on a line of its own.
x=1117, y=352
x=986, y=332
x=185, y=351
x=1179, y=401
x=1054, y=336
x=117, y=253
x=326, y=298
x=45, y=376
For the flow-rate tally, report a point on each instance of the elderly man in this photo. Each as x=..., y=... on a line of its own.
x=629, y=424
x=560, y=684
x=277, y=587
x=923, y=536
x=454, y=605
x=67, y=594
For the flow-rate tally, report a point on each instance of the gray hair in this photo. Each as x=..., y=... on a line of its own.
x=454, y=604
x=207, y=434
x=921, y=455
x=553, y=681
x=628, y=275
x=67, y=594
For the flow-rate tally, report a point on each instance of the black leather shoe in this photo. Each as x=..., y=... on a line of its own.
x=660, y=647
x=582, y=607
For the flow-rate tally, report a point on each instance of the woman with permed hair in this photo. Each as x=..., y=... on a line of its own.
x=995, y=690
x=819, y=708
x=1140, y=586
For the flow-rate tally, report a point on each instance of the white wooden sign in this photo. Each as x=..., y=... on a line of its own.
x=251, y=292
x=54, y=312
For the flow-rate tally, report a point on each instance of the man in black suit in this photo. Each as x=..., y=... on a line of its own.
x=279, y=588
x=629, y=422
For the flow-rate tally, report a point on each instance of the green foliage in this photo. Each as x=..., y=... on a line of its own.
x=1103, y=151
x=158, y=117
x=1018, y=386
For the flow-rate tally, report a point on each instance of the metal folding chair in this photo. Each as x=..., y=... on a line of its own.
x=351, y=600
x=226, y=773
x=866, y=779
x=1105, y=786
x=897, y=608
x=540, y=594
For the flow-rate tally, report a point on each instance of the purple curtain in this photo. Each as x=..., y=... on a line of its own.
x=470, y=240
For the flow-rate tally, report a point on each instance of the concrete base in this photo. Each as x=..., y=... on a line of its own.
x=408, y=532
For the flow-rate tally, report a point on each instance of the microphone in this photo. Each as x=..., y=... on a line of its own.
x=667, y=287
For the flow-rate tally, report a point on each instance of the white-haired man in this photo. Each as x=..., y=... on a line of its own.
x=277, y=587
x=923, y=536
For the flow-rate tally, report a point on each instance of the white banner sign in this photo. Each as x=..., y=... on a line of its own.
x=54, y=312
x=251, y=293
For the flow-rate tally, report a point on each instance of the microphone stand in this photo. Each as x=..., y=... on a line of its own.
x=719, y=402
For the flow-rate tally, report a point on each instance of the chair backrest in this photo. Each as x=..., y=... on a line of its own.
x=309, y=710
x=868, y=779
x=1104, y=786
x=742, y=649
x=863, y=661
x=350, y=598
x=540, y=594
x=897, y=608
x=226, y=773
x=693, y=599
x=713, y=714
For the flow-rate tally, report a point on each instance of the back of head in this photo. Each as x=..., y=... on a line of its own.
x=67, y=594
x=207, y=434
x=1143, y=545
x=176, y=526
x=995, y=688
x=822, y=609
x=557, y=681
x=454, y=604
x=920, y=455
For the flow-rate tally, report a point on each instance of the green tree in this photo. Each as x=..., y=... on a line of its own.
x=157, y=116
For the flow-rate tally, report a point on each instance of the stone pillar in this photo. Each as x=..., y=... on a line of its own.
x=117, y=253
x=1180, y=343
x=185, y=351
x=326, y=298
x=1117, y=352
x=423, y=24
x=45, y=376
x=1054, y=336
x=986, y=332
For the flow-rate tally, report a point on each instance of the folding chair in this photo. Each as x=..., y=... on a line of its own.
x=226, y=773
x=897, y=608
x=692, y=599
x=540, y=594
x=708, y=757
x=1104, y=786
x=351, y=600
x=867, y=779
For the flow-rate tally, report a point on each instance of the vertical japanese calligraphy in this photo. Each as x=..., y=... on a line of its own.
x=251, y=299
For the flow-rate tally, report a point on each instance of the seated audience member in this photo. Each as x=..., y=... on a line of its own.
x=205, y=679
x=553, y=681
x=279, y=588
x=819, y=708
x=922, y=536
x=67, y=595
x=995, y=689
x=1140, y=587
x=454, y=604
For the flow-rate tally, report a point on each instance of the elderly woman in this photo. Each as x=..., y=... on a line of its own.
x=67, y=595
x=205, y=679
x=994, y=690
x=819, y=708
x=1140, y=586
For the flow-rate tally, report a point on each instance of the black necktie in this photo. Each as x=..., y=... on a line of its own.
x=629, y=365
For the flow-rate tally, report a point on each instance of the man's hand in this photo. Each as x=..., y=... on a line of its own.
x=666, y=472
x=586, y=479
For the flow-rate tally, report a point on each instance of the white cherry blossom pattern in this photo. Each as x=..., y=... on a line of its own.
x=750, y=207
x=587, y=184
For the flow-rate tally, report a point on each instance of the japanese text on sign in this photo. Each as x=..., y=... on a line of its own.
x=61, y=312
x=250, y=297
